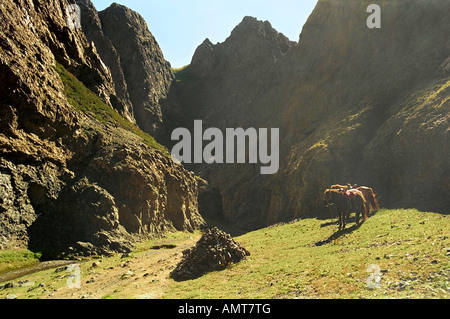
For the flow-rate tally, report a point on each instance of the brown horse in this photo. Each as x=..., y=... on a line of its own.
x=334, y=197
x=370, y=196
x=368, y=193
x=345, y=203
x=357, y=203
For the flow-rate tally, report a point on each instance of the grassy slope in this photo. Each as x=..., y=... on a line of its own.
x=15, y=259
x=409, y=246
x=82, y=99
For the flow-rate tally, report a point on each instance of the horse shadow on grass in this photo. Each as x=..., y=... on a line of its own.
x=340, y=232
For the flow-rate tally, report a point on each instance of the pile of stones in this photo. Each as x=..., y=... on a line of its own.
x=215, y=251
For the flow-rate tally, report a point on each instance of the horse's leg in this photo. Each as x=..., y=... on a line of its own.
x=366, y=211
x=343, y=219
x=357, y=215
x=351, y=208
x=361, y=214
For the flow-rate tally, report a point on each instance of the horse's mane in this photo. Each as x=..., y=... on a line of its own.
x=337, y=186
x=333, y=190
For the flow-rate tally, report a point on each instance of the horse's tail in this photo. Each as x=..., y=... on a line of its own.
x=370, y=197
x=373, y=201
x=366, y=212
x=364, y=204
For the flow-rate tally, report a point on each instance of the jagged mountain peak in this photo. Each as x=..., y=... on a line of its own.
x=253, y=26
x=146, y=71
x=252, y=23
x=252, y=29
x=251, y=43
x=124, y=13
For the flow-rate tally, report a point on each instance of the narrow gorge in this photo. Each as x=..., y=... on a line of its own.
x=86, y=116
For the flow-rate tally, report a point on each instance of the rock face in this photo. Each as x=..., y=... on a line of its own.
x=147, y=74
x=141, y=76
x=75, y=180
x=245, y=66
x=353, y=104
x=92, y=28
x=215, y=250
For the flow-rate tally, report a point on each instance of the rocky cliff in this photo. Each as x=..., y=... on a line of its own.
x=141, y=75
x=75, y=176
x=92, y=28
x=353, y=104
x=146, y=72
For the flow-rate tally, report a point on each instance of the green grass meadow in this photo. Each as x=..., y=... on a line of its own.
x=397, y=254
x=408, y=247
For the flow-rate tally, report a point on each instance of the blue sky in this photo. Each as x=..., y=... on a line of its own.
x=180, y=26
